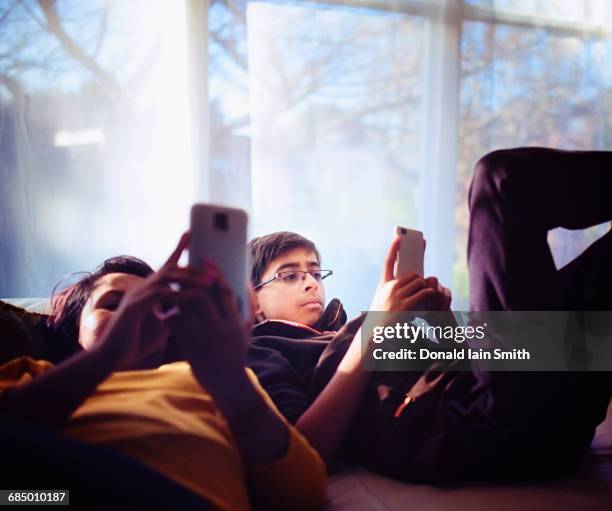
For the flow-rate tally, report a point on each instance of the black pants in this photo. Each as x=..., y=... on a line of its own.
x=516, y=197
x=475, y=424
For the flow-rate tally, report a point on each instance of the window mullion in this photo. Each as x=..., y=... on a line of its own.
x=440, y=138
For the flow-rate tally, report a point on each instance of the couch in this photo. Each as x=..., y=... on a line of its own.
x=352, y=488
x=589, y=488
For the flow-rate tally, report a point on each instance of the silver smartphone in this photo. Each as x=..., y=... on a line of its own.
x=219, y=234
x=411, y=252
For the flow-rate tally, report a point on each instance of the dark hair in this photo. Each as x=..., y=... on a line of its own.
x=264, y=249
x=67, y=302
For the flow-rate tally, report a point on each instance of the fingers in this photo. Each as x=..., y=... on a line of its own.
x=406, y=279
x=199, y=311
x=387, y=273
x=207, y=276
x=198, y=323
x=184, y=334
x=178, y=251
x=203, y=289
x=448, y=298
x=185, y=277
x=226, y=299
x=165, y=314
x=159, y=292
x=174, y=306
x=432, y=282
x=409, y=292
x=151, y=294
x=432, y=299
x=423, y=300
x=410, y=287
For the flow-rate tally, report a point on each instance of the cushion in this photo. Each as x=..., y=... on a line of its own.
x=40, y=305
x=25, y=333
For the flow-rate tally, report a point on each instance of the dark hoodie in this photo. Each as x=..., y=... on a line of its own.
x=294, y=362
x=455, y=428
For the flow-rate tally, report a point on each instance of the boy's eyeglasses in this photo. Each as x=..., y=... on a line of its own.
x=291, y=277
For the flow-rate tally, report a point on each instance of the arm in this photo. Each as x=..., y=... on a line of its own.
x=49, y=399
x=284, y=471
x=261, y=435
x=339, y=399
x=217, y=363
x=296, y=481
x=280, y=380
x=342, y=395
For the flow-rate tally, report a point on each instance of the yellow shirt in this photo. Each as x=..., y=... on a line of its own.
x=165, y=419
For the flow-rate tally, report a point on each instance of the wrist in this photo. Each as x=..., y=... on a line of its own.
x=234, y=394
x=104, y=357
x=261, y=435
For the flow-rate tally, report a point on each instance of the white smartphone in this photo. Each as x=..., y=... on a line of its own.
x=219, y=233
x=411, y=252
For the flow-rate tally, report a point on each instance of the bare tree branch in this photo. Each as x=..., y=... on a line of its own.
x=13, y=86
x=7, y=12
x=231, y=49
x=32, y=13
x=232, y=6
x=101, y=32
x=54, y=26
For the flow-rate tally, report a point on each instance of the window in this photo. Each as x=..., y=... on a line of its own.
x=336, y=119
x=94, y=142
x=352, y=117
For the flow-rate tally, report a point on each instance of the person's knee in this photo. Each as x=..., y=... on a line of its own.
x=493, y=176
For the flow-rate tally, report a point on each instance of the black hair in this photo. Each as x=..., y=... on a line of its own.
x=264, y=249
x=67, y=302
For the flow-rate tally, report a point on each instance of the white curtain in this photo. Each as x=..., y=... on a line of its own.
x=337, y=119
x=96, y=155
x=355, y=116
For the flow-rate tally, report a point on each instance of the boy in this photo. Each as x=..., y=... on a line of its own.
x=473, y=425
x=294, y=329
